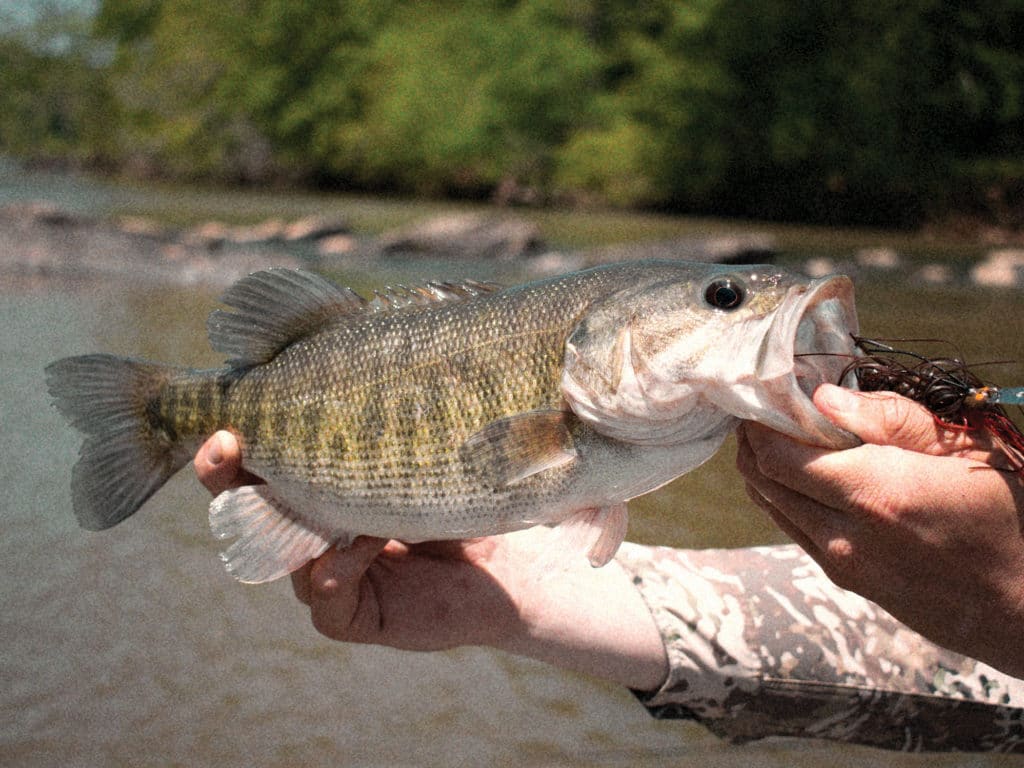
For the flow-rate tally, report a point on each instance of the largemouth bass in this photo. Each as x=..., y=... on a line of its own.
x=452, y=410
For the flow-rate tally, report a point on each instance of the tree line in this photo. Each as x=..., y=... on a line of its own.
x=826, y=111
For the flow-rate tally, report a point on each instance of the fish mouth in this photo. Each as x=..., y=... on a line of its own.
x=810, y=343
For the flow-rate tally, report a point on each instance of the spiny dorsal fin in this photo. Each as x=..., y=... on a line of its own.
x=401, y=296
x=276, y=307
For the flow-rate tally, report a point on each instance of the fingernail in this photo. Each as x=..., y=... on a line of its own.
x=215, y=453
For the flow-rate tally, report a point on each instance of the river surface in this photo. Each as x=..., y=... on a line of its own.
x=134, y=647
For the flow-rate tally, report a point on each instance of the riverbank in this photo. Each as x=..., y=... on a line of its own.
x=75, y=224
x=40, y=239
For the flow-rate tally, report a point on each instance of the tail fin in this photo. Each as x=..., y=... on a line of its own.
x=126, y=455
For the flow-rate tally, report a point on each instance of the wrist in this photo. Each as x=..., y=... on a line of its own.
x=988, y=623
x=1006, y=652
x=589, y=620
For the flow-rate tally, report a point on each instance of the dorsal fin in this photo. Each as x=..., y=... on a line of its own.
x=276, y=307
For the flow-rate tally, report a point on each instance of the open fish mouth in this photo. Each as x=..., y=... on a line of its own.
x=824, y=343
x=810, y=343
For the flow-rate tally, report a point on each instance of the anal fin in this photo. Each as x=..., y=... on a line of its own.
x=270, y=539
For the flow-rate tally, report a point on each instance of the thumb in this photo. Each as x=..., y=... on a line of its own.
x=882, y=418
x=219, y=464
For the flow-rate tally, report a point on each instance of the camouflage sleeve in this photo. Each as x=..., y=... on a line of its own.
x=761, y=643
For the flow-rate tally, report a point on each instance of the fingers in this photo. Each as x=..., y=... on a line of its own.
x=877, y=417
x=899, y=437
x=782, y=469
x=783, y=522
x=340, y=594
x=811, y=523
x=301, y=583
x=218, y=464
x=338, y=567
x=825, y=533
x=334, y=564
x=455, y=549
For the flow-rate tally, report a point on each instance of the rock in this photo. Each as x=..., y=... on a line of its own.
x=1000, y=269
x=466, y=235
x=934, y=274
x=555, y=263
x=32, y=247
x=336, y=245
x=267, y=231
x=819, y=266
x=878, y=258
x=742, y=248
x=142, y=226
x=747, y=248
x=314, y=228
x=212, y=234
x=41, y=212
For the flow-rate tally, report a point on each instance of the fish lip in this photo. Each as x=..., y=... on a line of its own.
x=810, y=343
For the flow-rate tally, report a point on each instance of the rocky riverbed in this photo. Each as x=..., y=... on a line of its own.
x=39, y=239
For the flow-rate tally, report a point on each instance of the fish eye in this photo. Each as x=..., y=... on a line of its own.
x=725, y=293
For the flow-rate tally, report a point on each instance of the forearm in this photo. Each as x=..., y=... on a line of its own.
x=591, y=620
x=761, y=643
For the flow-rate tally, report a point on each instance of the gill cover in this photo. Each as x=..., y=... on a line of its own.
x=631, y=362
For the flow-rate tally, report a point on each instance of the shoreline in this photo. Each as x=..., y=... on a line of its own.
x=40, y=239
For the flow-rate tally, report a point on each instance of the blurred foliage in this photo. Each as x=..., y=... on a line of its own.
x=55, y=102
x=836, y=112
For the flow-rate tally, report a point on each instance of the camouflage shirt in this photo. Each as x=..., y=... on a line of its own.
x=760, y=643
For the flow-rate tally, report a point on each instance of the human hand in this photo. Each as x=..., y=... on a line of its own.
x=915, y=519
x=511, y=592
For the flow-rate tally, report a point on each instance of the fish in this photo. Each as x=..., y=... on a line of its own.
x=451, y=410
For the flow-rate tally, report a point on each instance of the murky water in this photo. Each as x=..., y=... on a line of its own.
x=133, y=647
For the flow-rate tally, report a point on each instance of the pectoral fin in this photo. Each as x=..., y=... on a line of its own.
x=512, y=449
x=270, y=540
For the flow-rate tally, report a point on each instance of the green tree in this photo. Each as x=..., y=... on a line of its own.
x=824, y=111
x=829, y=111
x=459, y=100
x=53, y=96
x=170, y=77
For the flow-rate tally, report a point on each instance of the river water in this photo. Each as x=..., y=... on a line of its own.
x=134, y=647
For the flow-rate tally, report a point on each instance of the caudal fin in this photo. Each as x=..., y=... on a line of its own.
x=126, y=456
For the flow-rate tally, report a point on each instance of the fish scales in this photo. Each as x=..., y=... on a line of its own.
x=401, y=391
x=455, y=409
x=358, y=386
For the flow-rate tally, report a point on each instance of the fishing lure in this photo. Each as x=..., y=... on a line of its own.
x=956, y=395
